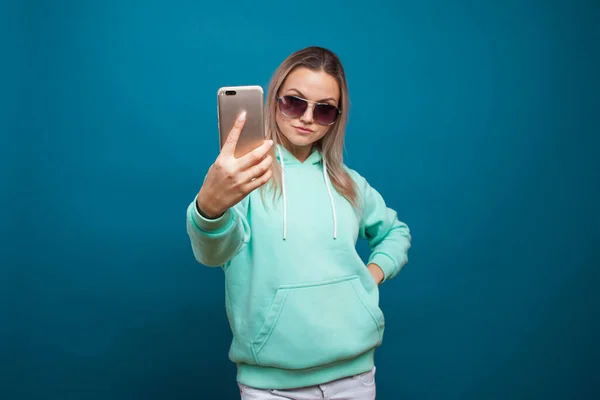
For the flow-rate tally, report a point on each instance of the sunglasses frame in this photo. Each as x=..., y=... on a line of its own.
x=309, y=104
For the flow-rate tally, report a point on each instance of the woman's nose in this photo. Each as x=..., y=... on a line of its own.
x=307, y=117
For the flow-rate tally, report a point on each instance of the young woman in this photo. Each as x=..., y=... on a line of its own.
x=302, y=305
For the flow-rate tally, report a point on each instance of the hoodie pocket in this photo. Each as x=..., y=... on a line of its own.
x=318, y=324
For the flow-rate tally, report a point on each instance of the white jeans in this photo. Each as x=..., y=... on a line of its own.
x=358, y=387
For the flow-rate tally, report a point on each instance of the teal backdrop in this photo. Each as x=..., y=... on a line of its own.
x=476, y=120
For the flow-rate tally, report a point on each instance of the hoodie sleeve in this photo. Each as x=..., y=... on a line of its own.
x=215, y=241
x=389, y=239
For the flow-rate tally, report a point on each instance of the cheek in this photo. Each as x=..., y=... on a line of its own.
x=280, y=119
x=322, y=131
x=283, y=123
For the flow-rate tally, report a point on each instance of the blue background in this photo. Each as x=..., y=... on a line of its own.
x=477, y=121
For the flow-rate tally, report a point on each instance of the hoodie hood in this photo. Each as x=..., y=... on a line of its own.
x=287, y=159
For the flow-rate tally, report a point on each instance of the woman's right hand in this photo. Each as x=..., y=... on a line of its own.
x=229, y=179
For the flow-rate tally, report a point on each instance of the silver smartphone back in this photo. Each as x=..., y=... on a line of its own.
x=231, y=101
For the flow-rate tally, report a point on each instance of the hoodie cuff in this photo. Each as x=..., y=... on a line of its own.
x=385, y=262
x=212, y=226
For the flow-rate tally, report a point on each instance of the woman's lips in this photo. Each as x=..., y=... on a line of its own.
x=303, y=130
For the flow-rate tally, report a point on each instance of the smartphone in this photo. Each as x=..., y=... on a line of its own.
x=231, y=101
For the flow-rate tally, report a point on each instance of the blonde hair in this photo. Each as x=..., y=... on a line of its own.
x=332, y=144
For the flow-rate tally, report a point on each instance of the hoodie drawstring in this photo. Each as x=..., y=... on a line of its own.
x=327, y=184
x=283, y=190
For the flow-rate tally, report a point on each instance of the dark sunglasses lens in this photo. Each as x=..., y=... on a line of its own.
x=292, y=106
x=325, y=114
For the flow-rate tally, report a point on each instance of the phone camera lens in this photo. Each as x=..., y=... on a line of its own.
x=230, y=92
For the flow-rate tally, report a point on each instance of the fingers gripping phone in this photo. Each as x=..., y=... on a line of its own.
x=231, y=101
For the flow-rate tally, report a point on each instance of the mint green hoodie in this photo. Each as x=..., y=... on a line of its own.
x=302, y=306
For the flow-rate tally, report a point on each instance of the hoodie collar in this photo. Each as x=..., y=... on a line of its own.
x=289, y=159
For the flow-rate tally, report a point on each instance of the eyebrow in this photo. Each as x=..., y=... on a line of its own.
x=318, y=101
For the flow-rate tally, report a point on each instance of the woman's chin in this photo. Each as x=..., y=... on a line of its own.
x=299, y=140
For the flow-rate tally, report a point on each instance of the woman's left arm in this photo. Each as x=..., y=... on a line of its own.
x=389, y=238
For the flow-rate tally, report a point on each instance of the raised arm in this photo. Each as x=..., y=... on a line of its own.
x=216, y=219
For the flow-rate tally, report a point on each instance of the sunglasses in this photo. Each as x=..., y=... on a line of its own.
x=295, y=107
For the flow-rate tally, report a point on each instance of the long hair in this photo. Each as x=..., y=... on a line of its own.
x=332, y=144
